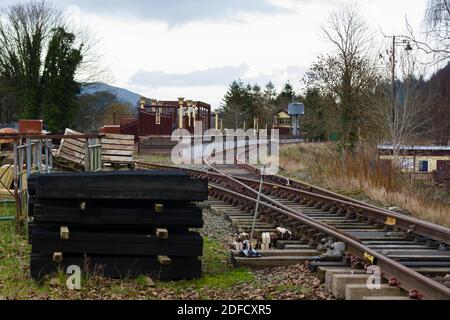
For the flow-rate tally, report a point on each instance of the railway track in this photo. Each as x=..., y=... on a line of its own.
x=412, y=254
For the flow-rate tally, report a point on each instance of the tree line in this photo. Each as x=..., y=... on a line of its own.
x=43, y=59
x=351, y=95
x=39, y=59
x=243, y=103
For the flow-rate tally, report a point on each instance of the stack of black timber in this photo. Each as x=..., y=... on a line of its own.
x=116, y=224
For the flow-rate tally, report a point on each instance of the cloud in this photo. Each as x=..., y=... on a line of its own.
x=296, y=70
x=218, y=76
x=176, y=12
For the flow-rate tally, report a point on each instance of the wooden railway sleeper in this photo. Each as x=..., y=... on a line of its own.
x=303, y=201
x=430, y=243
x=379, y=224
x=304, y=237
x=318, y=205
x=311, y=232
x=316, y=238
x=303, y=229
x=333, y=209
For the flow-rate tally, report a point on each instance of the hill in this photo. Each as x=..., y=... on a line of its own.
x=122, y=95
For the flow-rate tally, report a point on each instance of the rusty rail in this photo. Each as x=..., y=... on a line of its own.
x=408, y=279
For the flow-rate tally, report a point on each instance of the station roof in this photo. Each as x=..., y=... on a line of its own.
x=415, y=148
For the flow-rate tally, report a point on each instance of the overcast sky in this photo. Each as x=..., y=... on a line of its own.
x=194, y=48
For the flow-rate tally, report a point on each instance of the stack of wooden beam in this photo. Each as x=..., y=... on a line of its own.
x=117, y=224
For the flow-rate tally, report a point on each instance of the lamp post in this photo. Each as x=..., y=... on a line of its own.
x=92, y=123
x=181, y=103
x=407, y=45
x=189, y=110
x=217, y=120
x=194, y=110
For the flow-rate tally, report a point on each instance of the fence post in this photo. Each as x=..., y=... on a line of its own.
x=16, y=187
x=50, y=147
x=86, y=156
x=46, y=155
x=39, y=155
x=28, y=156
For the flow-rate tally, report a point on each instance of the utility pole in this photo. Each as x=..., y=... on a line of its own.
x=92, y=123
x=407, y=45
x=393, y=83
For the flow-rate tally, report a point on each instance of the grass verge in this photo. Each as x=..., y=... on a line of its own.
x=15, y=282
x=362, y=173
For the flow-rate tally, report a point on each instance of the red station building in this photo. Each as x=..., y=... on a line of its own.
x=161, y=118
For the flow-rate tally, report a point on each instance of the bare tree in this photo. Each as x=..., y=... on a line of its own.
x=348, y=74
x=92, y=108
x=409, y=113
x=437, y=32
x=438, y=22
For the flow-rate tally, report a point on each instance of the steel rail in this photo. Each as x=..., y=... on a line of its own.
x=411, y=224
x=408, y=279
x=420, y=227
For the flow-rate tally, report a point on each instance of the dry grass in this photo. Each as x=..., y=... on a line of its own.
x=362, y=171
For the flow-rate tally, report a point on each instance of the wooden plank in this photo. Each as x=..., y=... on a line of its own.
x=117, y=267
x=282, y=252
x=72, y=161
x=71, y=158
x=117, y=213
x=119, y=142
x=117, y=146
x=117, y=159
x=79, y=142
x=72, y=148
x=72, y=154
x=145, y=185
x=75, y=142
x=75, y=155
x=117, y=152
x=106, y=157
x=78, y=154
x=119, y=136
x=83, y=240
x=268, y=261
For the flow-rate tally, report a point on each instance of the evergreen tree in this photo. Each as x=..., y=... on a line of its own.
x=38, y=63
x=59, y=88
x=314, y=122
x=270, y=92
x=233, y=105
x=286, y=96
